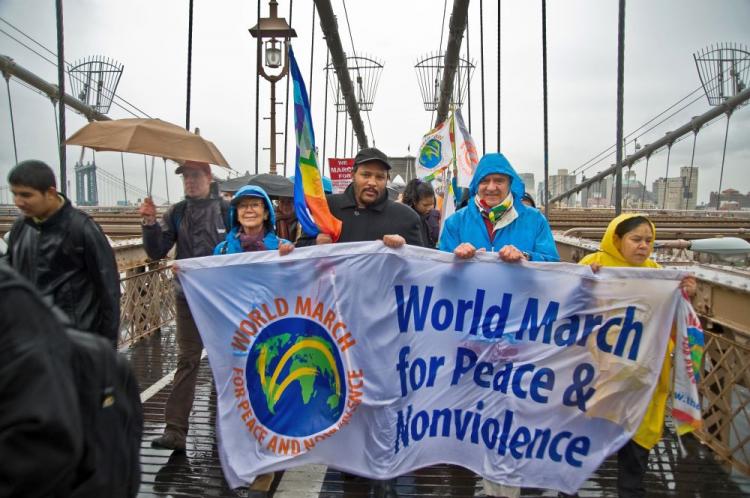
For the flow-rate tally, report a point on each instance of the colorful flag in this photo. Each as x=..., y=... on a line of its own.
x=309, y=198
x=466, y=157
x=688, y=359
x=436, y=152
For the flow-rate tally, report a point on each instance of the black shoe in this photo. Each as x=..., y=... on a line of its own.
x=169, y=441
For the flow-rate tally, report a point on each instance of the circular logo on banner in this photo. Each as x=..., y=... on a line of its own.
x=431, y=153
x=299, y=371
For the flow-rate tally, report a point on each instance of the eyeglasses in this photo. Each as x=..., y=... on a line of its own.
x=251, y=205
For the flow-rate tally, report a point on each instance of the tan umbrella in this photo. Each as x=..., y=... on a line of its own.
x=152, y=137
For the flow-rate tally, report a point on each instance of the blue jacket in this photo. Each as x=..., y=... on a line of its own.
x=231, y=245
x=530, y=232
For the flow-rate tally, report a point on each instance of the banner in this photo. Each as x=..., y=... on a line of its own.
x=341, y=173
x=379, y=361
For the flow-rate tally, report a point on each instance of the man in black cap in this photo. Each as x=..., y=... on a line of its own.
x=366, y=212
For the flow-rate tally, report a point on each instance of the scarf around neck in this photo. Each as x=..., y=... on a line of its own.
x=499, y=216
x=252, y=242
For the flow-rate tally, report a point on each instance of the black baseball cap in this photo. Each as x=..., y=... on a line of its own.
x=371, y=154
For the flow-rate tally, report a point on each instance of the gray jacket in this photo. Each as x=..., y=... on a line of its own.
x=195, y=225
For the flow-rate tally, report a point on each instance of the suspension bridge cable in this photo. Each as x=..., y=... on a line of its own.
x=189, y=64
x=312, y=49
x=499, y=74
x=12, y=122
x=359, y=76
x=723, y=156
x=468, y=58
x=481, y=57
x=544, y=92
x=286, y=100
x=325, y=115
x=440, y=53
x=692, y=161
x=257, y=97
x=696, y=99
x=109, y=94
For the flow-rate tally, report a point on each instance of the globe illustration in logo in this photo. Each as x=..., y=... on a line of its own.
x=295, y=375
x=431, y=153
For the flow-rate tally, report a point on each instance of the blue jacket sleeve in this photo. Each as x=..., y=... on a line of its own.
x=449, y=237
x=545, y=248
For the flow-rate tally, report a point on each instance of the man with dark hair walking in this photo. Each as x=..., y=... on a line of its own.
x=63, y=252
x=196, y=225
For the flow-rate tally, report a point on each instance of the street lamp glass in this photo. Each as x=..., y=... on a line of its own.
x=273, y=53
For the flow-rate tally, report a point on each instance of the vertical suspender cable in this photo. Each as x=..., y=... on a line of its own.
x=189, y=66
x=57, y=128
x=666, y=177
x=544, y=92
x=312, y=52
x=166, y=178
x=620, y=84
x=61, y=90
x=336, y=138
x=481, y=57
x=440, y=53
x=499, y=75
x=690, y=176
x=286, y=101
x=645, y=179
x=468, y=59
x=257, y=98
x=12, y=123
x=346, y=132
x=723, y=156
x=124, y=186
x=325, y=114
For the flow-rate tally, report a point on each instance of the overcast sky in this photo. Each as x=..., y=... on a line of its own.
x=150, y=39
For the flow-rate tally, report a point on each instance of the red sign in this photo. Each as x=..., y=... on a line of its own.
x=340, y=171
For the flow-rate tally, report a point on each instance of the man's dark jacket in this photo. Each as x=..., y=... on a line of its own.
x=67, y=258
x=383, y=217
x=195, y=225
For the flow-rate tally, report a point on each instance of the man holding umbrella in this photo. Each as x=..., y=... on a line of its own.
x=196, y=225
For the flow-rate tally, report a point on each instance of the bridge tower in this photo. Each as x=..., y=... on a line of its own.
x=87, y=193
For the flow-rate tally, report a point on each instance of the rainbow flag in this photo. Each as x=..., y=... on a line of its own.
x=309, y=198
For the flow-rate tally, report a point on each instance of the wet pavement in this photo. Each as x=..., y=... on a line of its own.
x=197, y=472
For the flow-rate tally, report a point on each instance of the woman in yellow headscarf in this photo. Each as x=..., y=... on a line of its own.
x=629, y=241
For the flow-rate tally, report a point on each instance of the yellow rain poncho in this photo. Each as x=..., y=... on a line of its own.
x=650, y=431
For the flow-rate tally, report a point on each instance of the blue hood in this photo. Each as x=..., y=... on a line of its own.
x=252, y=191
x=497, y=163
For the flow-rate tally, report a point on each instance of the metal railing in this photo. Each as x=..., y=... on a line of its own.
x=725, y=393
x=147, y=301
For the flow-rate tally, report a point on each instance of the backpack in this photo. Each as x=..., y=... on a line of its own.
x=112, y=419
x=110, y=406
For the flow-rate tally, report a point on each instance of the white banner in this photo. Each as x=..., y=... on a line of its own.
x=378, y=361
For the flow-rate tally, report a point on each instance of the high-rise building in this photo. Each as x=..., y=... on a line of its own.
x=677, y=192
x=561, y=183
x=528, y=182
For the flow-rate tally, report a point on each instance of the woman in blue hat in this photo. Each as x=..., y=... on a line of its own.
x=252, y=219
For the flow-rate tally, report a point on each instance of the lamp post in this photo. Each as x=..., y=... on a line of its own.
x=272, y=28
